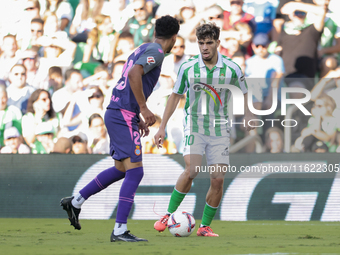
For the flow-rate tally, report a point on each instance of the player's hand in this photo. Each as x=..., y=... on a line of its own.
x=149, y=117
x=143, y=129
x=159, y=137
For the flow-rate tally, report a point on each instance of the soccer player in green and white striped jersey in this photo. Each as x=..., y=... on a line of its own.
x=204, y=78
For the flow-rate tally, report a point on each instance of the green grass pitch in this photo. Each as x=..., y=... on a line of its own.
x=56, y=236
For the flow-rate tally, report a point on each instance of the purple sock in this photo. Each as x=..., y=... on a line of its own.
x=101, y=181
x=127, y=193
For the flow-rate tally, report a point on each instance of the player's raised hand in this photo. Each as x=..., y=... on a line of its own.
x=149, y=117
x=159, y=137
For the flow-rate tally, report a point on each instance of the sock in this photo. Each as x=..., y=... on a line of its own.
x=175, y=200
x=119, y=229
x=208, y=215
x=127, y=193
x=78, y=201
x=102, y=180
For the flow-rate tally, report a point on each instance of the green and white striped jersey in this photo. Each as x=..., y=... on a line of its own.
x=205, y=112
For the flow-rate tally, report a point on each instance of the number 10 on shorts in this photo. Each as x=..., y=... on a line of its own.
x=189, y=140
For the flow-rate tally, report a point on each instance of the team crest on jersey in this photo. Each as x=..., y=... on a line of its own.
x=197, y=75
x=137, y=150
x=225, y=152
x=150, y=60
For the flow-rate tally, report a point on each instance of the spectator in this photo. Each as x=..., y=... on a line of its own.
x=97, y=134
x=19, y=91
x=100, y=78
x=319, y=147
x=266, y=71
x=8, y=57
x=321, y=87
x=215, y=14
x=125, y=46
x=274, y=140
x=298, y=41
x=89, y=101
x=31, y=11
x=230, y=44
x=100, y=38
x=79, y=144
x=62, y=97
x=280, y=18
x=240, y=59
x=321, y=126
x=10, y=116
x=13, y=144
x=141, y=25
x=173, y=62
x=62, y=146
x=299, y=81
x=236, y=15
x=63, y=11
x=119, y=12
x=55, y=79
x=30, y=60
x=44, y=138
x=264, y=13
x=37, y=31
x=39, y=110
x=189, y=20
x=58, y=51
x=83, y=20
x=329, y=48
x=73, y=83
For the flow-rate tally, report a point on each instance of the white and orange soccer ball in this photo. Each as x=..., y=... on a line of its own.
x=181, y=224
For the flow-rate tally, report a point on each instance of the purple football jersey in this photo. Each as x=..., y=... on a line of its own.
x=150, y=56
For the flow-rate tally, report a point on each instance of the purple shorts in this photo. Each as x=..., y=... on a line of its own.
x=122, y=126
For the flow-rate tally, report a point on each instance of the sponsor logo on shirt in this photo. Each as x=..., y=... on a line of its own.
x=150, y=60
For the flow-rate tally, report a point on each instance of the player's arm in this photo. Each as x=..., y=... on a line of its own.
x=135, y=78
x=169, y=110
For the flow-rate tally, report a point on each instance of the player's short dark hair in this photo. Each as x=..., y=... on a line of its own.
x=166, y=27
x=208, y=30
x=69, y=72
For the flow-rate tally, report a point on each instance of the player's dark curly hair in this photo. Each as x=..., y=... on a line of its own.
x=166, y=26
x=208, y=30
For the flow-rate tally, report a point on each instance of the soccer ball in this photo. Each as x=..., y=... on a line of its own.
x=181, y=224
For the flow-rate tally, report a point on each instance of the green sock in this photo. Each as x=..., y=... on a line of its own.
x=175, y=200
x=208, y=214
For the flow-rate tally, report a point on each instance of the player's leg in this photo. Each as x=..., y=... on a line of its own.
x=184, y=181
x=217, y=151
x=72, y=205
x=193, y=152
x=133, y=176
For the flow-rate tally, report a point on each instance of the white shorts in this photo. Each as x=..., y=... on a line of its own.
x=216, y=148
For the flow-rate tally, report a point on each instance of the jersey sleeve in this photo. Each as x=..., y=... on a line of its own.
x=181, y=84
x=151, y=58
x=241, y=80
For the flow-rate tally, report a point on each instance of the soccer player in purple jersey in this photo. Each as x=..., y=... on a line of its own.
x=124, y=125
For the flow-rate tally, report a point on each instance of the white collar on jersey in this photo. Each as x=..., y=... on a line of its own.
x=219, y=63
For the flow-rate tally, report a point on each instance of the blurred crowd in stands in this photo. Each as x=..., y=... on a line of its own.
x=60, y=60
